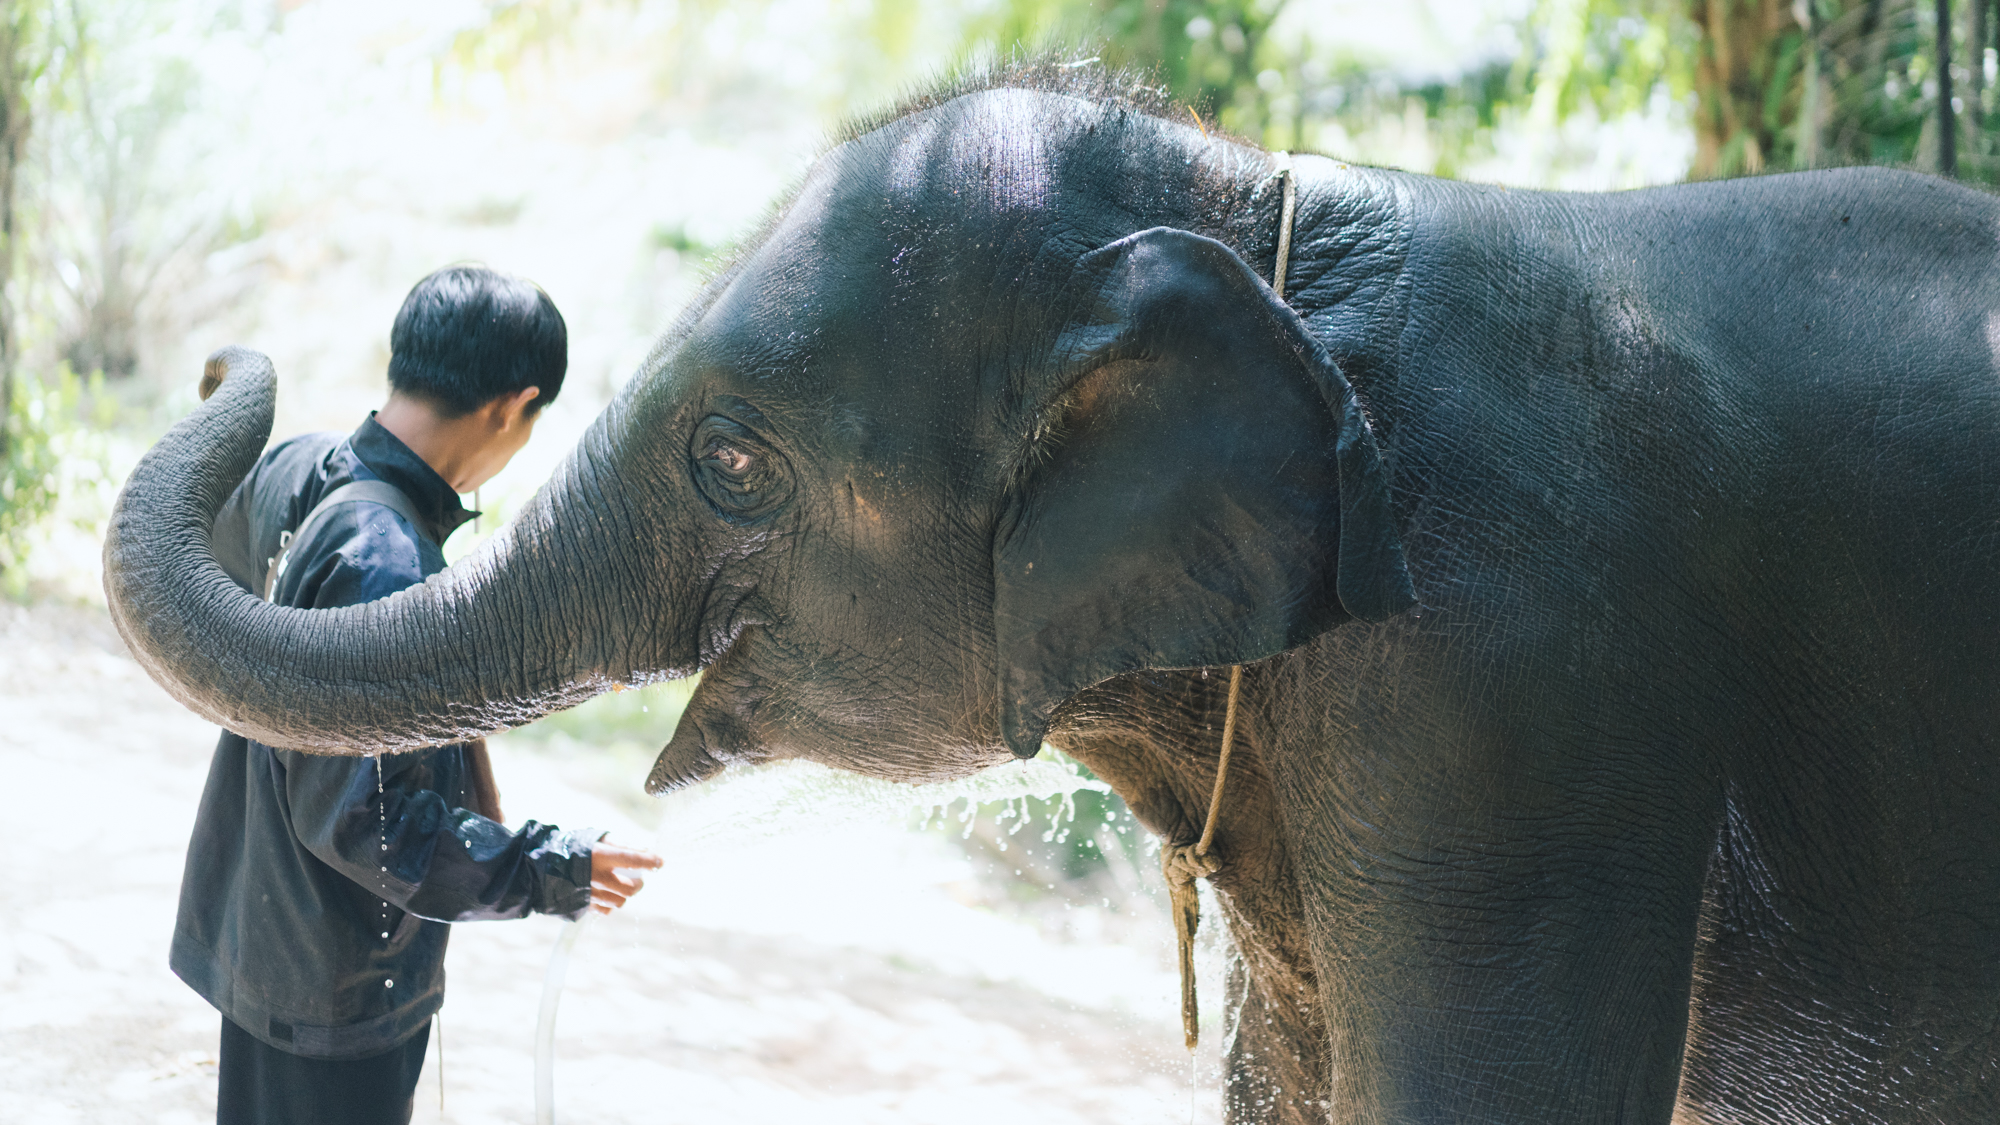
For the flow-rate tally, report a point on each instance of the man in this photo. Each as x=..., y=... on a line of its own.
x=314, y=905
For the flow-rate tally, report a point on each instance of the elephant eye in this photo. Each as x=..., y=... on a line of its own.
x=740, y=474
x=730, y=459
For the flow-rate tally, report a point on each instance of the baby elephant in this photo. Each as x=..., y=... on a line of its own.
x=1616, y=581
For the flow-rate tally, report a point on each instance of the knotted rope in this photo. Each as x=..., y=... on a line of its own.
x=1183, y=863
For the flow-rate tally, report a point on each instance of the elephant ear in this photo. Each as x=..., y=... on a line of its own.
x=1206, y=491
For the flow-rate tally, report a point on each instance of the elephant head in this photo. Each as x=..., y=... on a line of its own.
x=994, y=410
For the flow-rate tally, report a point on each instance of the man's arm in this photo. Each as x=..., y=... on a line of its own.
x=392, y=831
x=409, y=845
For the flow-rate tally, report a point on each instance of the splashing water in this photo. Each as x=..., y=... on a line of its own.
x=788, y=798
x=800, y=797
x=545, y=1020
x=382, y=819
x=1194, y=1085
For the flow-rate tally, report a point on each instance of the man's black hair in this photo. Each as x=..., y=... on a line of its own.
x=467, y=335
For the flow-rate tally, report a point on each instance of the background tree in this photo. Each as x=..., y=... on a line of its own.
x=89, y=224
x=1210, y=54
x=1818, y=83
x=1774, y=84
x=22, y=61
x=114, y=223
x=1827, y=82
x=23, y=468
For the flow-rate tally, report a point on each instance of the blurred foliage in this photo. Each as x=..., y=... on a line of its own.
x=1284, y=86
x=27, y=475
x=27, y=465
x=57, y=450
x=111, y=143
x=729, y=56
x=1774, y=84
x=644, y=715
x=93, y=94
x=1086, y=845
x=1210, y=55
x=676, y=238
x=499, y=37
x=1815, y=83
x=609, y=742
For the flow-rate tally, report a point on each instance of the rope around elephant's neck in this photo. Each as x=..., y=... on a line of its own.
x=1182, y=863
x=1283, y=171
x=1222, y=761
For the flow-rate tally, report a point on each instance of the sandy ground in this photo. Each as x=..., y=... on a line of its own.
x=835, y=975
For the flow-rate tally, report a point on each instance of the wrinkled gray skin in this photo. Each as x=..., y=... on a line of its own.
x=1677, y=786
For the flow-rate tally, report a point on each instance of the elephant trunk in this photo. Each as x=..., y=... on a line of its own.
x=553, y=611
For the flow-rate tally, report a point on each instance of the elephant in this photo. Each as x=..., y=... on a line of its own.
x=1611, y=577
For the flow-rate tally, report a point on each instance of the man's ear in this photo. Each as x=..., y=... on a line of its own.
x=1206, y=491
x=520, y=406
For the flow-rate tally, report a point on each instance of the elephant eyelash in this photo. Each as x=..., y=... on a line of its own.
x=1046, y=431
x=1049, y=427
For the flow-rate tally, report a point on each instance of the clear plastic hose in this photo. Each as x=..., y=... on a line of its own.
x=545, y=1024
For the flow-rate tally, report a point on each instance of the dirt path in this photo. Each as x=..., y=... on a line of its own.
x=754, y=981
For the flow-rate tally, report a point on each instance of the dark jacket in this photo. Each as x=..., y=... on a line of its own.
x=317, y=889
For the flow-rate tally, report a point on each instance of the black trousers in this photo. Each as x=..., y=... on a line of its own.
x=261, y=1085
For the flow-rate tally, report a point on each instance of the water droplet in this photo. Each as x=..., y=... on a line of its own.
x=385, y=935
x=388, y=984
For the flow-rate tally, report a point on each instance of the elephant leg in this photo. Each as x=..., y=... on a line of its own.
x=1849, y=961
x=1540, y=991
x=1276, y=1048
x=1504, y=930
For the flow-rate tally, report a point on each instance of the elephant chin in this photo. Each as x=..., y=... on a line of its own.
x=684, y=762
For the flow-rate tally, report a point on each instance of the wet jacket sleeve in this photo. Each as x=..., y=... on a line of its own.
x=399, y=832
x=400, y=839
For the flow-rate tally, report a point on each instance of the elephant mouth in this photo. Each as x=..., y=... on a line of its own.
x=716, y=728
x=684, y=762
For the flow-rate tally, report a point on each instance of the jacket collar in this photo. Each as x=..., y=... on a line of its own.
x=384, y=455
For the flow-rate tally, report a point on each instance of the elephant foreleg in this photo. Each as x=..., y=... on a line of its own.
x=1276, y=1050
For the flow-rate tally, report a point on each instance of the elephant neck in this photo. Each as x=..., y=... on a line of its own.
x=1154, y=739
x=1351, y=232
x=1350, y=245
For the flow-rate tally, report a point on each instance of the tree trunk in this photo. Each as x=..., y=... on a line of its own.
x=1947, y=120
x=1744, y=100
x=1975, y=65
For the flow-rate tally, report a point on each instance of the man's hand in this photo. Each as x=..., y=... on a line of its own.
x=613, y=874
